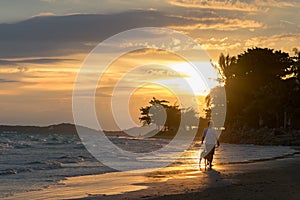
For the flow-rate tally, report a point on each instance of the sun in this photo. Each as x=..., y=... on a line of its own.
x=200, y=76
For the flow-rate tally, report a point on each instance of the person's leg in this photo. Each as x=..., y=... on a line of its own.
x=210, y=149
x=211, y=157
x=212, y=154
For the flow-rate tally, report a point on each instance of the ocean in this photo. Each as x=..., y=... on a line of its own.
x=35, y=161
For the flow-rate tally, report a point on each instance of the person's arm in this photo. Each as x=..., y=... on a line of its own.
x=203, y=135
x=218, y=143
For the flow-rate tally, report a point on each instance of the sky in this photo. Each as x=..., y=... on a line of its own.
x=43, y=44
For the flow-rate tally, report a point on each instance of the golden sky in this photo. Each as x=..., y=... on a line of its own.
x=44, y=43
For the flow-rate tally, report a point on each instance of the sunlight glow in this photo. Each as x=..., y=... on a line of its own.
x=200, y=85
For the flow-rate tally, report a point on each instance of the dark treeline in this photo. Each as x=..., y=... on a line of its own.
x=262, y=89
x=263, y=93
x=168, y=118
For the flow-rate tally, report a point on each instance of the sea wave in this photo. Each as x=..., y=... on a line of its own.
x=40, y=159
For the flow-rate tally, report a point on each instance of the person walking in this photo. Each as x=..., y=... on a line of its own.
x=211, y=141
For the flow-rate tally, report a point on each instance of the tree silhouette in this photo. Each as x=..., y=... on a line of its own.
x=154, y=112
x=169, y=117
x=224, y=66
x=190, y=118
x=259, y=87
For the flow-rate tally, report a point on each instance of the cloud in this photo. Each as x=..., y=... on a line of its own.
x=16, y=62
x=44, y=60
x=45, y=14
x=288, y=22
x=234, y=5
x=64, y=35
x=268, y=40
x=7, y=63
x=22, y=69
x=64, y=1
x=218, y=5
x=7, y=81
x=276, y=3
x=224, y=24
x=220, y=44
x=56, y=36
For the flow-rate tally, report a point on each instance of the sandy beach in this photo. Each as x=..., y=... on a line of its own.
x=276, y=179
x=273, y=179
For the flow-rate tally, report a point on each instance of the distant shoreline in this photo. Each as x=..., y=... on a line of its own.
x=262, y=136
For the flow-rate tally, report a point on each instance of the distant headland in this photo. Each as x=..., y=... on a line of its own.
x=263, y=136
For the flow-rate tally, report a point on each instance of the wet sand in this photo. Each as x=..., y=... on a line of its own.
x=268, y=180
x=275, y=179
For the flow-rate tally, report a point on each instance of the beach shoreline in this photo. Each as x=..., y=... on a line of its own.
x=273, y=179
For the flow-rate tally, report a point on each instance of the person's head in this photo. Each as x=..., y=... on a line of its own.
x=210, y=124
